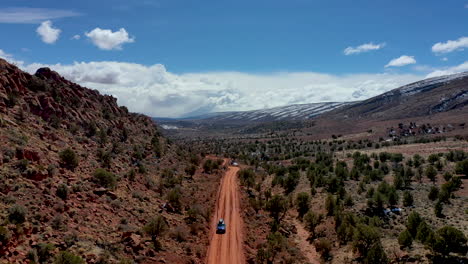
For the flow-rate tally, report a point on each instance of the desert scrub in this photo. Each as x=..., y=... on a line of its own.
x=4, y=235
x=65, y=257
x=69, y=159
x=155, y=228
x=62, y=191
x=17, y=214
x=104, y=178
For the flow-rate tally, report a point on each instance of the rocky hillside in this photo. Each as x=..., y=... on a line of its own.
x=82, y=177
x=426, y=97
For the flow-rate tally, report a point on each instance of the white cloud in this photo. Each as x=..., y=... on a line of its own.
x=48, y=33
x=10, y=58
x=444, y=59
x=5, y=55
x=451, y=45
x=363, y=48
x=105, y=39
x=76, y=37
x=32, y=15
x=401, y=61
x=449, y=70
x=156, y=92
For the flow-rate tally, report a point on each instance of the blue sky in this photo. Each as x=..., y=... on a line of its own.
x=212, y=50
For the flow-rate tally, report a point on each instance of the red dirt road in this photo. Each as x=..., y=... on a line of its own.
x=227, y=248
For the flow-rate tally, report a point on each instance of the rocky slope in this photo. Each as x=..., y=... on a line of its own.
x=80, y=174
x=426, y=97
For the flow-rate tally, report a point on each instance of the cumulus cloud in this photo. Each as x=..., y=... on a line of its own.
x=76, y=37
x=48, y=33
x=105, y=39
x=363, y=48
x=156, y=92
x=27, y=15
x=401, y=61
x=449, y=70
x=451, y=45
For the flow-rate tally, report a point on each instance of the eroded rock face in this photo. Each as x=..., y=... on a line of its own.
x=49, y=95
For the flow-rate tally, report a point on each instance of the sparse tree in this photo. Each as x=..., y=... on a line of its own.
x=302, y=202
x=438, y=207
x=431, y=173
x=407, y=198
x=330, y=205
x=155, y=228
x=312, y=220
x=277, y=206
x=405, y=239
x=449, y=239
x=433, y=193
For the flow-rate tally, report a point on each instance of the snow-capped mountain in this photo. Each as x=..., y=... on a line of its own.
x=426, y=97
x=290, y=112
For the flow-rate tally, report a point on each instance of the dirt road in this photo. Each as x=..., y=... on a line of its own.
x=227, y=248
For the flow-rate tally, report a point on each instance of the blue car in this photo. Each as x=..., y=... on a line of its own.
x=221, y=227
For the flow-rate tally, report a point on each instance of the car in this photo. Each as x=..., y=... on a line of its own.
x=221, y=227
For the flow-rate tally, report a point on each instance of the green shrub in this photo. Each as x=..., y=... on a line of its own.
x=247, y=177
x=424, y=232
x=65, y=257
x=462, y=167
x=449, y=239
x=62, y=191
x=407, y=198
x=4, y=235
x=431, y=173
x=412, y=224
x=392, y=197
x=155, y=228
x=376, y=254
x=302, y=202
x=323, y=246
x=438, y=207
x=330, y=204
x=209, y=166
x=277, y=206
x=44, y=252
x=157, y=147
x=105, y=157
x=364, y=238
x=190, y=170
x=433, y=193
x=104, y=178
x=173, y=197
x=17, y=214
x=433, y=158
x=69, y=159
x=405, y=239
x=312, y=220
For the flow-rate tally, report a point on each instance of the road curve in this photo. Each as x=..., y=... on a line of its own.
x=227, y=248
